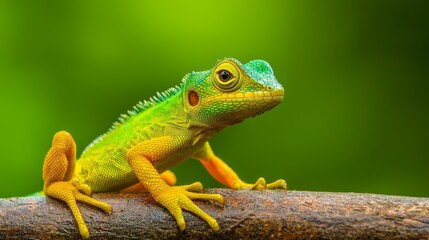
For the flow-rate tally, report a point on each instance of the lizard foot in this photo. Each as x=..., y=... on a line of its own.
x=180, y=197
x=261, y=184
x=70, y=193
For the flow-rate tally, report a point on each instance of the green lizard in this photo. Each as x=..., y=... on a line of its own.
x=136, y=153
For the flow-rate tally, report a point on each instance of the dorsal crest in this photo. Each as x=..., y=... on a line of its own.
x=143, y=105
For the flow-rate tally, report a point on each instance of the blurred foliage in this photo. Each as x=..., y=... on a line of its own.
x=355, y=117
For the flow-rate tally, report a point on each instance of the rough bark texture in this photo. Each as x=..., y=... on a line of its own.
x=246, y=215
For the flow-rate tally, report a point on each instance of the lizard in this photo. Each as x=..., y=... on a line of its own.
x=136, y=153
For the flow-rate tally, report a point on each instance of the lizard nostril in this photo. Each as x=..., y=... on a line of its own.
x=269, y=88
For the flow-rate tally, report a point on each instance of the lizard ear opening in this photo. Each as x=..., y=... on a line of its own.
x=193, y=98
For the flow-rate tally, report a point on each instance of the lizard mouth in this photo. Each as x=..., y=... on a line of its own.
x=266, y=96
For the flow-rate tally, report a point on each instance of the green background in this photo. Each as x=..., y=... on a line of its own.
x=356, y=73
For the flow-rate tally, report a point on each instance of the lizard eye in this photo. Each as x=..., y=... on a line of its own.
x=227, y=76
x=224, y=75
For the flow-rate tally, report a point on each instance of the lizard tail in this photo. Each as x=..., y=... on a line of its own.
x=36, y=194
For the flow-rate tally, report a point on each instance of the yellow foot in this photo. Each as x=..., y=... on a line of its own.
x=261, y=184
x=70, y=192
x=180, y=197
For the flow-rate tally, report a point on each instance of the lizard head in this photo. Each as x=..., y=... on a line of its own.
x=231, y=92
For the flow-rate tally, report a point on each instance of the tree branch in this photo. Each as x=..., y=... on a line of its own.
x=246, y=215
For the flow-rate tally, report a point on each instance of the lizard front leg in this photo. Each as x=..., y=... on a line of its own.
x=59, y=181
x=174, y=198
x=225, y=175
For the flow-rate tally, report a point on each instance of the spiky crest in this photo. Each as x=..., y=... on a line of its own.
x=140, y=107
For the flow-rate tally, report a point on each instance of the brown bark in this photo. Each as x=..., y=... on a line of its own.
x=246, y=215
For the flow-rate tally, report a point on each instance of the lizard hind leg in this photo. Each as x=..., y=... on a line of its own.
x=169, y=177
x=58, y=170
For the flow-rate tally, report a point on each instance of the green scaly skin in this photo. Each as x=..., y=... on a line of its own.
x=103, y=165
x=170, y=128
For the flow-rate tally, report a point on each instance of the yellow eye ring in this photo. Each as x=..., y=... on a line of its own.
x=227, y=77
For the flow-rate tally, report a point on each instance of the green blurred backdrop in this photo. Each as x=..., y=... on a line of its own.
x=355, y=117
